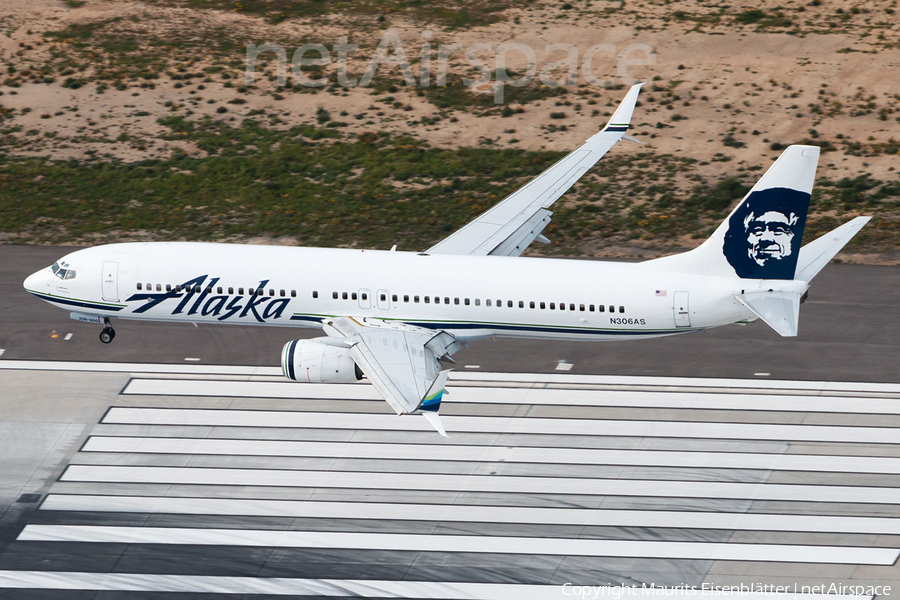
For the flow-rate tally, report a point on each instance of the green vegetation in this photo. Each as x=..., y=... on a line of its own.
x=323, y=187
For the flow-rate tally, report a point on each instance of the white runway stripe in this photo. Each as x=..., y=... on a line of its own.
x=480, y=483
x=431, y=590
x=526, y=395
x=437, y=452
x=597, y=427
x=460, y=543
x=473, y=514
x=558, y=378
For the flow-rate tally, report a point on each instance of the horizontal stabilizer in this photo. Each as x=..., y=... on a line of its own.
x=780, y=310
x=819, y=252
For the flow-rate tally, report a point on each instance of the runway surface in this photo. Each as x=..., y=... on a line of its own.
x=184, y=480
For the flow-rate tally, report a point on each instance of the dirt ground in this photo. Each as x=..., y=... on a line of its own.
x=719, y=91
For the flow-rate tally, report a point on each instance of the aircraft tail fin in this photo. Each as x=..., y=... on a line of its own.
x=761, y=237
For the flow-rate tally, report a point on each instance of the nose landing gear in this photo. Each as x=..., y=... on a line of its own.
x=108, y=334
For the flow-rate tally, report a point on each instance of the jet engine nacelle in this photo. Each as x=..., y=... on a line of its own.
x=318, y=361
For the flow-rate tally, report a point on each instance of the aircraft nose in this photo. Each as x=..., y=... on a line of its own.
x=33, y=281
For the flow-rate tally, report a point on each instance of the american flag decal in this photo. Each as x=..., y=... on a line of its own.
x=660, y=292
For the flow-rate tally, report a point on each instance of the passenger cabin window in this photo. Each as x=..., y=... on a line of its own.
x=621, y=309
x=272, y=293
x=591, y=308
x=353, y=295
x=240, y=291
x=406, y=297
x=427, y=299
x=365, y=296
x=209, y=289
x=509, y=304
x=415, y=298
x=293, y=293
x=138, y=286
x=456, y=301
x=612, y=308
x=344, y=295
x=383, y=297
x=477, y=301
x=553, y=306
x=334, y=295
x=521, y=304
x=543, y=306
x=177, y=288
x=281, y=293
x=601, y=308
x=487, y=302
x=315, y=293
x=168, y=287
x=531, y=304
x=466, y=301
x=581, y=307
x=394, y=297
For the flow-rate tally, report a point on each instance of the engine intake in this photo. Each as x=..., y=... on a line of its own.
x=318, y=361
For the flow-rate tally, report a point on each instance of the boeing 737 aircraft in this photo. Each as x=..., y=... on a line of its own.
x=394, y=316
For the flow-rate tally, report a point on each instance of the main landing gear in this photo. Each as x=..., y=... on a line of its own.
x=108, y=334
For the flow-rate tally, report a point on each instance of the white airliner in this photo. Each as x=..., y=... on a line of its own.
x=394, y=316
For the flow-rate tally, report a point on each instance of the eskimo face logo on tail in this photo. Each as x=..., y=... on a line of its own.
x=765, y=232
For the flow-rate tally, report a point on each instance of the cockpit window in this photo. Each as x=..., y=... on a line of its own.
x=62, y=270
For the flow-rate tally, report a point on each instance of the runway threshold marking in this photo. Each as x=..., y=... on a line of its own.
x=782, y=553
x=300, y=478
x=506, y=454
x=506, y=425
x=473, y=513
x=521, y=395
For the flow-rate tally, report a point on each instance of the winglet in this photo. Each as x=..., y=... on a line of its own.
x=432, y=402
x=621, y=119
x=435, y=419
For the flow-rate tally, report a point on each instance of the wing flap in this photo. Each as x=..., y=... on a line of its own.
x=401, y=361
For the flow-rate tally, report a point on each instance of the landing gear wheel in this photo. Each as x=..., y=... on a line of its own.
x=107, y=335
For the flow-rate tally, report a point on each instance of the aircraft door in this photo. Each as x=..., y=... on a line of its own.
x=365, y=298
x=110, y=277
x=681, y=309
x=384, y=299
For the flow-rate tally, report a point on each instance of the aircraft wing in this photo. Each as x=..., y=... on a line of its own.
x=509, y=227
x=401, y=361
